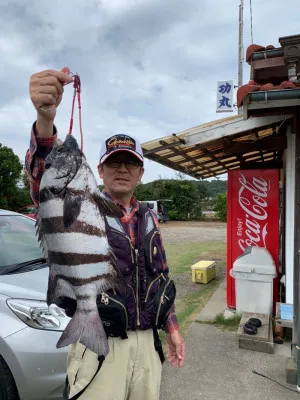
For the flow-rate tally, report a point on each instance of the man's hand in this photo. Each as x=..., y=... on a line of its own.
x=176, y=349
x=46, y=91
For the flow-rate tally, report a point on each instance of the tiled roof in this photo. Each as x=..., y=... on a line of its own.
x=253, y=86
x=269, y=73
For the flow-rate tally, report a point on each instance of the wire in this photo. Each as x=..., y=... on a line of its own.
x=251, y=21
x=273, y=380
x=77, y=91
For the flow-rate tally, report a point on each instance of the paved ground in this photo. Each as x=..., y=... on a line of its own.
x=192, y=232
x=216, y=368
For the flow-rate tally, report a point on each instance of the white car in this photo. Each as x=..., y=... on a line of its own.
x=31, y=367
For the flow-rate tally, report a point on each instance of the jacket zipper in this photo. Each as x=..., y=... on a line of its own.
x=134, y=261
x=137, y=288
x=130, y=242
x=152, y=237
x=132, y=291
x=150, y=286
x=105, y=300
x=161, y=302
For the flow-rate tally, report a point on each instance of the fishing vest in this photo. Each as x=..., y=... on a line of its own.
x=142, y=267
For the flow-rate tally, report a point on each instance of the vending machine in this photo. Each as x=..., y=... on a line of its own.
x=252, y=219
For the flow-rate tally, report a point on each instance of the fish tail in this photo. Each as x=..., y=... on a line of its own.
x=87, y=328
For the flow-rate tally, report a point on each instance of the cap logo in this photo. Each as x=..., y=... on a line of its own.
x=120, y=141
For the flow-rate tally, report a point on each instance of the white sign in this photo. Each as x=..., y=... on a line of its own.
x=225, y=91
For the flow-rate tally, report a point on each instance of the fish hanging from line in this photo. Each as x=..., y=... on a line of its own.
x=71, y=228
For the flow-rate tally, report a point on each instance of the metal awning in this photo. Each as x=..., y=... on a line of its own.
x=214, y=148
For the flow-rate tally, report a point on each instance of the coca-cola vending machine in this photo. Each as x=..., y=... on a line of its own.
x=252, y=218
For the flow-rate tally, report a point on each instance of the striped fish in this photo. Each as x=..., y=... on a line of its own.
x=71, y=228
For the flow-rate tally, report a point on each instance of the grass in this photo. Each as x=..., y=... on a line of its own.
x=182, y=256
x=189, y=306
x=220, y=321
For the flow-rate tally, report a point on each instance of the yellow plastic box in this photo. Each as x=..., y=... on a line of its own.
x=203, y=271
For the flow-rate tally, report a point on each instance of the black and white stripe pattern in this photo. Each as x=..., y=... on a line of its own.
x=71, y=228
x=80, y=251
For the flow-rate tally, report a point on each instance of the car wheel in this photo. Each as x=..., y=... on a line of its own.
x=8, y=389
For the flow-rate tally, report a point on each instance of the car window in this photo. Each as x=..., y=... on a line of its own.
x=18, y=240
x=28, y=210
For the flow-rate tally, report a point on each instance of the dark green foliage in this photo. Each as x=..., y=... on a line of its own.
x=189, y=197
x=12, y=195
x=221, y=206
x=186, y=195
x=215, y=187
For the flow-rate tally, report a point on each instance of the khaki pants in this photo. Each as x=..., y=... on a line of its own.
x=131, y=370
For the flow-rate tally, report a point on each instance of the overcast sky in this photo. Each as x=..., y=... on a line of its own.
x=148, y=67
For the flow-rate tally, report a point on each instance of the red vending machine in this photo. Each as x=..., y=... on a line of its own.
x=252, y=218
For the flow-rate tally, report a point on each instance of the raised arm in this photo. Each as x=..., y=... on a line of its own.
x=46, y=91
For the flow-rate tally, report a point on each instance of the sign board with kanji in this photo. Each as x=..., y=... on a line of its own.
x=225, y=91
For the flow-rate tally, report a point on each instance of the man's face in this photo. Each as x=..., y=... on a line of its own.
x=120, y=173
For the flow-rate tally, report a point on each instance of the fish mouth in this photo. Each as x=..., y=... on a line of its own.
x=57, y=191
x=48, y=165
x=64, y=175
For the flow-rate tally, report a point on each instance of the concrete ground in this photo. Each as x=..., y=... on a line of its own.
x=216, y=368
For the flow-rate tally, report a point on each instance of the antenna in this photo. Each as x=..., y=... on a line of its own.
x=241, y=49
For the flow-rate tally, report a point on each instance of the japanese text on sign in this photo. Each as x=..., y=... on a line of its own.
x=225, y=96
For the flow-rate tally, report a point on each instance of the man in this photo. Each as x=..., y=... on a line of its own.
x=132, y=369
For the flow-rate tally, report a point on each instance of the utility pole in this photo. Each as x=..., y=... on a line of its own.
x=241, y=48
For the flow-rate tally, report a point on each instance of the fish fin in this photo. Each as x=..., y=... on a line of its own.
x=40, y=233
x=58, y=287
x=72, y=206
x=87, y=328
x=106, y=205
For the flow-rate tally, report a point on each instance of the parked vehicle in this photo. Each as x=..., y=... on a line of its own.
x=159, y=207
x=31, y=368
x=29, y=211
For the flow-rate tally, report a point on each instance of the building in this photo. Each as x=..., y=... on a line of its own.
x=265, y=136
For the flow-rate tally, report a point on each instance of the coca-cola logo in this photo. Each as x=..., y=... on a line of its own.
x=252, y=197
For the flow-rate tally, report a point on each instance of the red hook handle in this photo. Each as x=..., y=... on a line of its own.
x=77, y=90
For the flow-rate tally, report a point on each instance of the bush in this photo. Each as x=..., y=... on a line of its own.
x=221, y=207
x=12, y=196
x=186, y=197
x=189, y=198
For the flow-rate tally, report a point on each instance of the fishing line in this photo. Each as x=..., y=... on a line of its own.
x=77, y=91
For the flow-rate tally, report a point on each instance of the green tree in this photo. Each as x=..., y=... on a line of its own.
x=214, y=187
x=186, y=196
x=24, y=180
x=12, y=194
x=221, y=207
x=142, y=192
x=10, y=171
x=21, y=198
